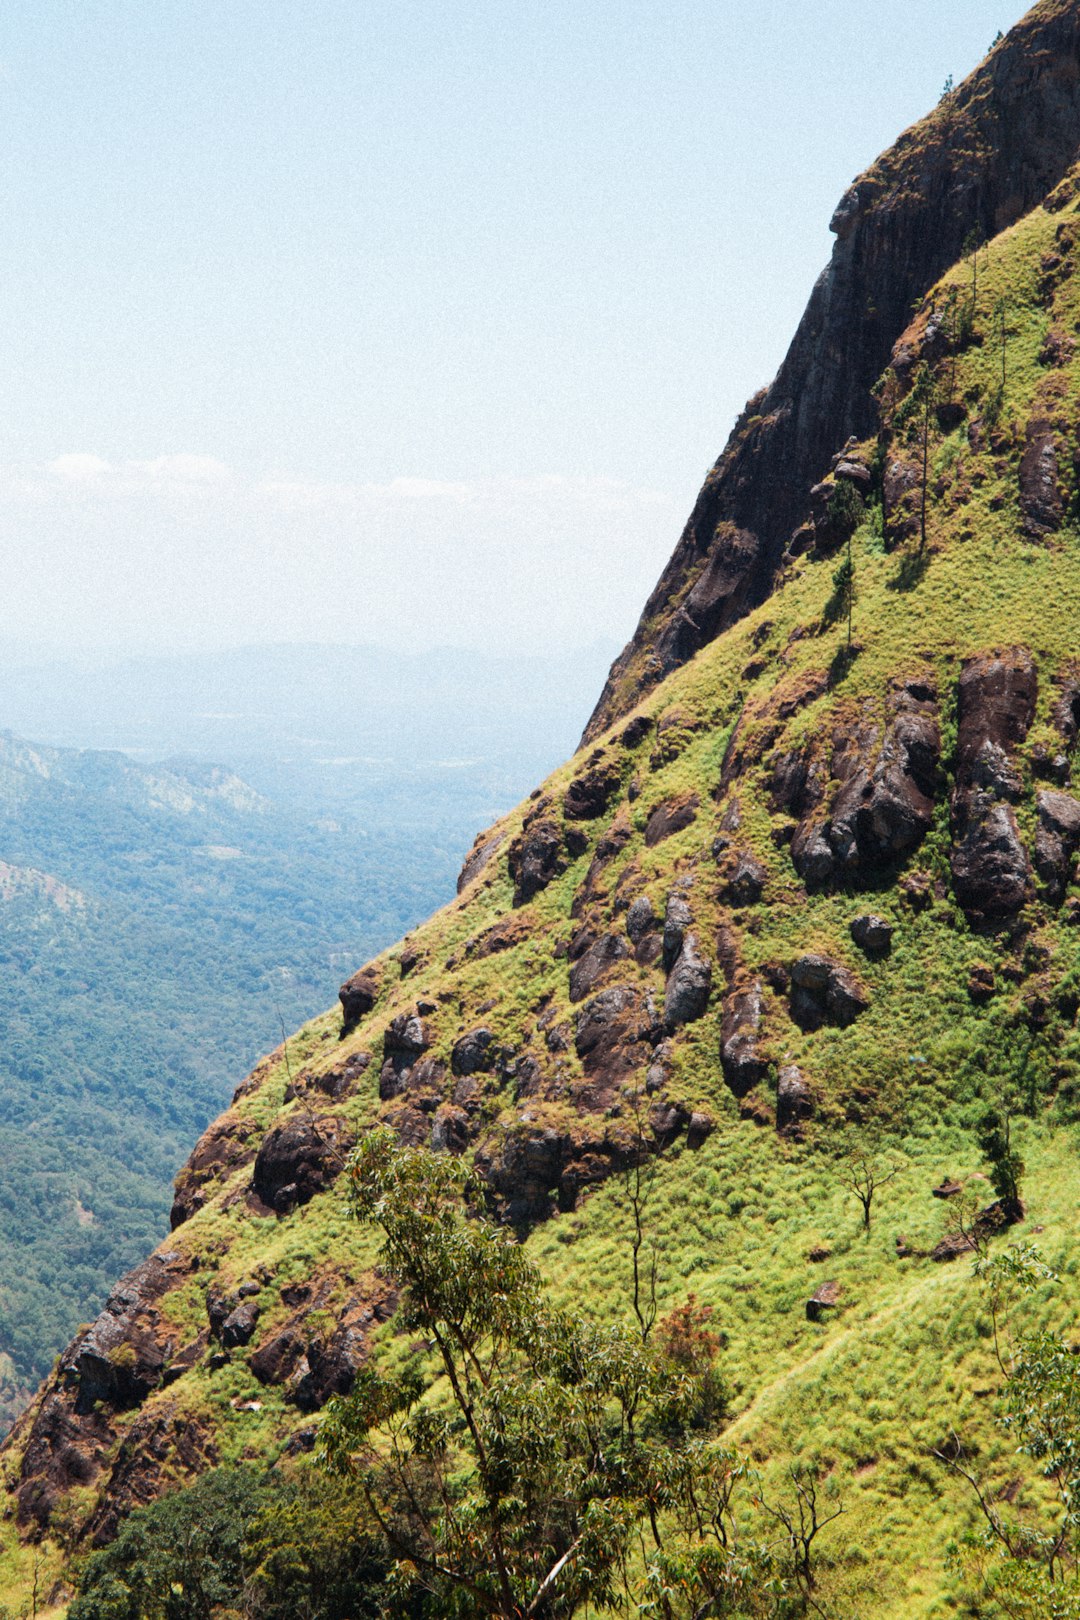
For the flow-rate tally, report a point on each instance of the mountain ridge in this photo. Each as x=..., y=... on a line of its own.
x=993, y=148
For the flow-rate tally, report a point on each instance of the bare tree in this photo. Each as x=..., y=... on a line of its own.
x=637, y=1187
x=802, y=1521
x=864, y=1176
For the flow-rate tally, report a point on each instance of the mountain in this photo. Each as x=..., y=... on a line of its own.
x=990, y=151
x=804, y=904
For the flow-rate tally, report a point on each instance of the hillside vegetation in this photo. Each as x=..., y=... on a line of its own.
x=808, y=911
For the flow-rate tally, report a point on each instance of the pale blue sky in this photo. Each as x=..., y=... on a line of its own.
x=389, y=319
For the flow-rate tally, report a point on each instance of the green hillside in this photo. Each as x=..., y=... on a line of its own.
x=809, y=907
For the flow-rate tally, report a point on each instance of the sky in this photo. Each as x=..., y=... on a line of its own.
x=400, y=321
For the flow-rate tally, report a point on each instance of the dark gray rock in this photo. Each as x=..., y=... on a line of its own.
x=744, y=881
x=794, y=1100
x=357, y=996
x=740, y=1030
x=487, y=845
x=701, y=1127
x=997, y=697
x=534, y=859
x=677, y=919
x=473, y=1053
x=686, y=994
x=597, y=961
x=824, y=991
x=640, y=918
x=239, y=1325
x=1057, y=840
x=872, y=934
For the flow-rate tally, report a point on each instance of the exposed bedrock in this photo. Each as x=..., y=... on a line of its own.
x=996, y=705
x=882, y=787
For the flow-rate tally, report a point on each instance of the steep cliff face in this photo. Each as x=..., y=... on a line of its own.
x=988, y=153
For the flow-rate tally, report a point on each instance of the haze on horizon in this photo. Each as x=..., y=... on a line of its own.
x=407, y=323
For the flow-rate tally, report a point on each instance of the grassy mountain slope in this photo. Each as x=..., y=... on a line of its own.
x=766, y=795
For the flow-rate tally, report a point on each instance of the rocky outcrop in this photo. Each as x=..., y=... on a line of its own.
x=486, y=845
x=357, y=996
x=223, y=1148
x=824, y=992
x=743, y=879
x=298, y=1158
x=740, y=1033
x=1057, y=841
x=1041, y=502
x=589, y=794
x=993, y=149
x=872, y=934
x=669, y=818
x=686, y=993
x=536, y=1169
x=405, y=1040
x=883, y=805
x=595, y=963
x=794, y=1101
x=610, y=1038
x=534, y=859
x=677, y=919
x=473, y=1053
x=991, y=873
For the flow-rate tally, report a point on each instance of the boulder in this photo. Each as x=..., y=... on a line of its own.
x=298, y=1158
x=794, y=1100
x=686, y=994
x=450, y=1131
x=743, y=880
x=1041, y=504
x=221, y=1149
x=357, y=996
x=472, y=1053
x=405, y=1040
x=121, y=1357
x=589, y=795
x=608, y=1041
x=981, y=983
x=640, y=919
x=600, y=957
x=534, y=859
x=677, y=919
x=700, y=1127
x=872, y=934
x=239, y=1326
x=1057, y=840
x=669, y=817
x=740, y=1030
x=487, y=845
x=824, y=991
x=826, y=1298
x=636, y=730
x=997, y=696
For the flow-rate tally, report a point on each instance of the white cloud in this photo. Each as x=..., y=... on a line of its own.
x=79, y=468
x=184, y=469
